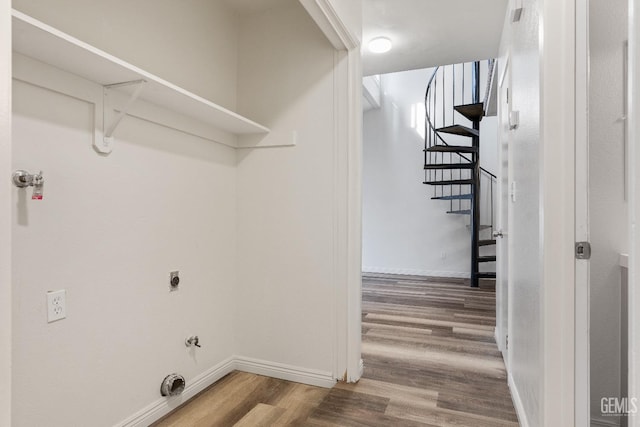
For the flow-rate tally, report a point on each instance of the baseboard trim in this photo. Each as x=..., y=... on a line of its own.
x=497, y=335
x=285, y=372
x=415, y=272
x=517, y=403
x=163, y=406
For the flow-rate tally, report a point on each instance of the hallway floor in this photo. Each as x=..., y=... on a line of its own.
x=430, y=360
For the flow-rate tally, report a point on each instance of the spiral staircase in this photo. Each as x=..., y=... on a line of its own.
x=454, y=111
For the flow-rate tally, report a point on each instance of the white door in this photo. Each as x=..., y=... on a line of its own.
x=601, y=207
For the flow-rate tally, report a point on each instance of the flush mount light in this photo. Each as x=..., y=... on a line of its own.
x=380, y=45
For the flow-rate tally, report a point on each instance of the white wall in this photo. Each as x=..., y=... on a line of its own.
x=286, y=228
x=520, y=42
x=191, y=43
x=254, y=233
x=5, y=213
x=108, y=231
x=404, y=231
x=608, y=208
x=110, y=228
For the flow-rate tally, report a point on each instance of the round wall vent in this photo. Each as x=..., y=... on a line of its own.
x=172, y=385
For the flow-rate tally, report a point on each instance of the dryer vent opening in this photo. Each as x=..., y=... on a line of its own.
x=172, y=385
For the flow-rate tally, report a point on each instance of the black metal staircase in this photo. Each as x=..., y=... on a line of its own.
x=454, y=169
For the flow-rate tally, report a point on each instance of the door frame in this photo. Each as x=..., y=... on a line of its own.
x=582, y=339
x=633, y=129
x=557, y=214
x=347, y=265
x=5, y=212
x=503, y=205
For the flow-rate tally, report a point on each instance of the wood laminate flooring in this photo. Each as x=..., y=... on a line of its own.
x=430, y=360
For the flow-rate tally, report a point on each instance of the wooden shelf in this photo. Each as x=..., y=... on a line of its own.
x=40, y=41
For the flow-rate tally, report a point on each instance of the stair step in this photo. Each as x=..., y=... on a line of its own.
x=459, y=130
x=452, y=149
x=450, y=166
x=460, y=212
x=473, y=112
x=482, y=227
x=490, y=258
x=454, y=197
x=486, y=242
x=486, y=275
x=450, y=182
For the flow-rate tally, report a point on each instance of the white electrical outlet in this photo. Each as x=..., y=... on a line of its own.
x=56, y=305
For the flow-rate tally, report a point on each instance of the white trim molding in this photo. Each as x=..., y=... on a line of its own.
x=517, y=403
x=557, y=211
x=353, y=140
x=285, y=372
x=163, y=406
x=582, y=287
x=634, y=203
x=325, y=16
x=417, y=272
x=347, y=197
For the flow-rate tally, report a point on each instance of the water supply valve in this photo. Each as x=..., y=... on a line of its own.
x=192, y=341
x=23, y=179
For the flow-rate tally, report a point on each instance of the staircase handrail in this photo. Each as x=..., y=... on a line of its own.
x=487, y=92
x=433, y=128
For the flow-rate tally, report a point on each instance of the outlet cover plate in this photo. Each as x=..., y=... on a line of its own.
x=56, y=305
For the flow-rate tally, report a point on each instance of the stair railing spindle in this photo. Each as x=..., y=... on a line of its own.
x=435, y=100
x=491, y=206
x=435, y=141
x=463, y=76
x=444, y=97
x=441, y=186
x=454, y=84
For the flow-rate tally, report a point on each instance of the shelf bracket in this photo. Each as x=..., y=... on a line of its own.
x=107, y=140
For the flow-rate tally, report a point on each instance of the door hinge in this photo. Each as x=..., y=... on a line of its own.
x=506, y=341
x=583, y=250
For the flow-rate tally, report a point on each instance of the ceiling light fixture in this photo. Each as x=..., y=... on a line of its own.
x=380, y=45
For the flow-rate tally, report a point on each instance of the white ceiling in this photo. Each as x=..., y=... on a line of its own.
x=426, y=33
